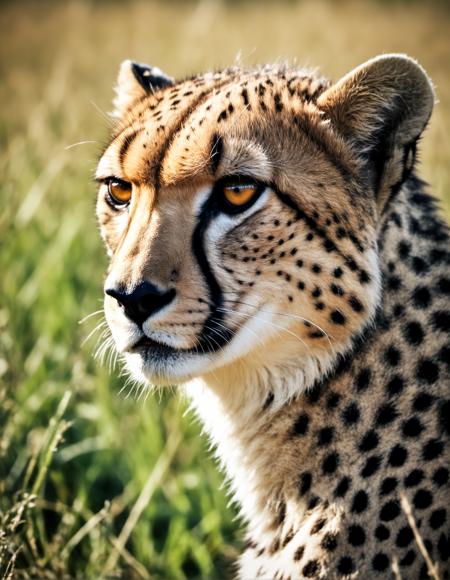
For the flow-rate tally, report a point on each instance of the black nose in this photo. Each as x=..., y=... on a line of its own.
x=145, y=300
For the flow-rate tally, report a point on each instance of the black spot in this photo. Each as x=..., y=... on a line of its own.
x=397, y=456
x=364, y=277
x=360, y=502
x=298, y=555
x=404, y=537
x=419, y=265
x=363, y=380
x=441, y=320
x=408, y=559
x=413, y=333
x=398, y=310
x=346, y=565
x=438, y=518
x=301, y=285
x=369, y=441
x=330, y=463
x=351, y=414
x=337, y=318
x=351, y=263
x=356, y=535
x=389, y=511
x=301, y=425
x=380, y=562
x=313, y=502
x=329, y=542
x=414, y=478
x=329, y=246
x=288, y=537
x=316, y=293
x=382, y=533
x=311, y=569
x=444, y=547
x=337, y=272
x=355, y=304
x=318, y=526
x=342, y=487
x=393, y=283
x=333, y=400
x=269, y=400
x=304, y=484
x=412, y=427
x=392, y=356
x=444, y=286
x=422, y=499
x=404, y=248
x=423, y=401
x=395, y=386
x=372, y=465
x=337, y=290
x=432, y=449
x=388, y=485
x=325, y=436
x=421, y=297
x=278, y=103
x=222, y=116
x=444, y=356
x=386, y=414
x=444, y=416
x=316, y=269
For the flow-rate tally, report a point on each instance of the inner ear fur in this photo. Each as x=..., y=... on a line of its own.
x=136, y=80
x=381, y=108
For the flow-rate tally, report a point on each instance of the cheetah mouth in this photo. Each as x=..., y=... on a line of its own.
x=146, y=346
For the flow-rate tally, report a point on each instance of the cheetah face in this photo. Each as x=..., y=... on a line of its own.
x=240, y=225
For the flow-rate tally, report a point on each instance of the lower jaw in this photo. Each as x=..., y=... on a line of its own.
x=162, y=365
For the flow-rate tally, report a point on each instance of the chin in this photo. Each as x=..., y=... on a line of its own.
x=165, y=366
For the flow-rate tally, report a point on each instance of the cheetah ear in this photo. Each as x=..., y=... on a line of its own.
x=135, y=81
x=381, y=107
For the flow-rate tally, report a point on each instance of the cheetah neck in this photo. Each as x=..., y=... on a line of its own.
x=237, y=407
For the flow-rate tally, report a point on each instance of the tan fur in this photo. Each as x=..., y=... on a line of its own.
x=301, y=327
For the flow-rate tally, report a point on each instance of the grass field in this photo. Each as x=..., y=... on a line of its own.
x=94, y=483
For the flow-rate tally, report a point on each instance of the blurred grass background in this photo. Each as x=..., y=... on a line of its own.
x=94, y=484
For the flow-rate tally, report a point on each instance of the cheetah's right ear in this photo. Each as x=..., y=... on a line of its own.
x=135, y=81
x=381, y=108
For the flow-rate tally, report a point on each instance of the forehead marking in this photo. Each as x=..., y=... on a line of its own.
x=178, y=126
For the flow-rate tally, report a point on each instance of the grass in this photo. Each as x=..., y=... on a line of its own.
x=94, y=484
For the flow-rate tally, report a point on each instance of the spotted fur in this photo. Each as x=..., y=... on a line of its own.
x=310, y=329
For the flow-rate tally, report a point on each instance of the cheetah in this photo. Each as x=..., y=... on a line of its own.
x=273, y=252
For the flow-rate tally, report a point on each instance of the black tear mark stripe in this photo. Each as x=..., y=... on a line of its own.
x=214, y=334
x=328, y=243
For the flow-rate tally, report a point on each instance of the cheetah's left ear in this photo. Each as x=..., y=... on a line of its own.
x=382, y=107
x=134, y=82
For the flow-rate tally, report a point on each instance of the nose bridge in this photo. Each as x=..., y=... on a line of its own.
x=152, y=249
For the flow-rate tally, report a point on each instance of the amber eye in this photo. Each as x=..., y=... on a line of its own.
x=239, y=194
x=119, y=192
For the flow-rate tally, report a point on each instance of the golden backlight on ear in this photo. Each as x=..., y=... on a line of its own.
x=119, y=191
x=238, y=194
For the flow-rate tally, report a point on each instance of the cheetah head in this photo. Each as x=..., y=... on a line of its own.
x=240, y=212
